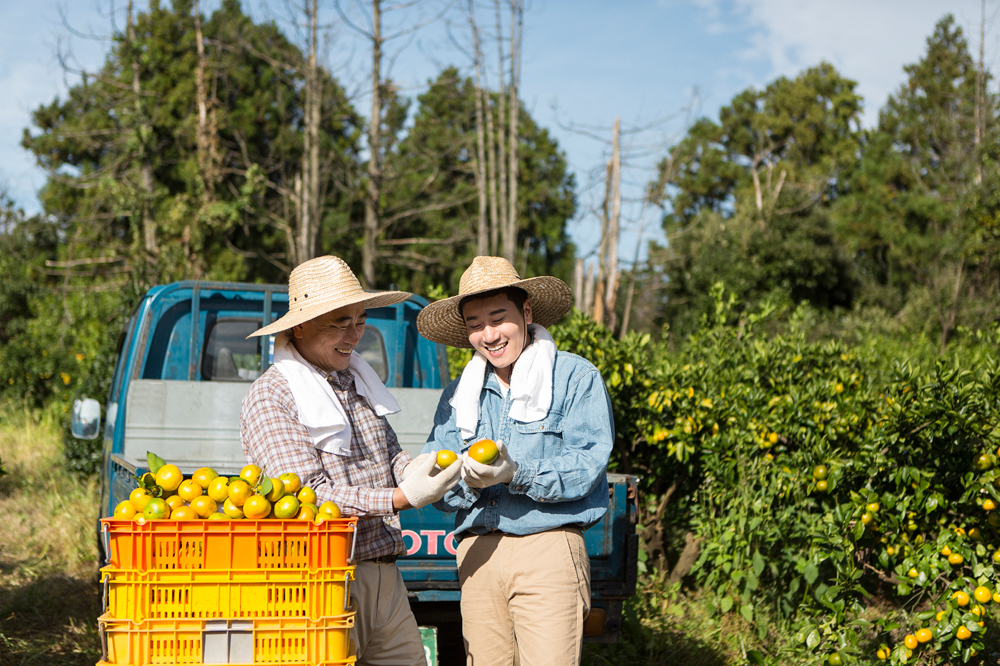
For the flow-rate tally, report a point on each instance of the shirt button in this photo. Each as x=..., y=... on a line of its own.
x=493, y=503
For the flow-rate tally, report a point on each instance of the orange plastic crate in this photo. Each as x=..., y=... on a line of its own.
x=202, y=594
x=292, y=642
x=228, y=544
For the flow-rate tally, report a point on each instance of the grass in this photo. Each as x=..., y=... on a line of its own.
x=49, y=592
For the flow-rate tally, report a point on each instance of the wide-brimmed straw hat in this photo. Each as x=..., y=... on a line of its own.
x=442, y=320
x=322, y=285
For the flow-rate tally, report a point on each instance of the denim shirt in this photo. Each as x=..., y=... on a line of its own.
x=562, y=460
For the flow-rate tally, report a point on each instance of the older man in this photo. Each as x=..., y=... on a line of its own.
x=523, y=565
x=319, y=412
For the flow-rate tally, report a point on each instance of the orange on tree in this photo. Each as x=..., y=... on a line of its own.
x=983, y=594
x=911, y=641
x=446, y=457
x=961, y=598
x=204, y=506
x=956, y=558
x=203, y=476
x=291, y=482
x=218, y=489
x=156, y=509
x=139, y=497
x=125, y=510
x=189, y=489
x=835, y=659
x=883, y=653
x=962, y=633
x=975, y=534
x=306, y=495
x=821, y=486
x=913, y=573
x=239, y=491
x=484, y=451
x=940, y=614
x=820, y=472
x=946, y=551
x=256, y=507
x=983, y=462
x=169, y=477
x=989, y=504
x=251, y=474
x=924, y=635
x=867, y=518
x=872, y=507
x=996, y=557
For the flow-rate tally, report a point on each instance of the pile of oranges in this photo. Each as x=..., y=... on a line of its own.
x=207, y=496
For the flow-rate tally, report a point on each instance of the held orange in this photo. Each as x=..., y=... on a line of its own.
x=484, y=451
x=169, y=477
x=446, y=457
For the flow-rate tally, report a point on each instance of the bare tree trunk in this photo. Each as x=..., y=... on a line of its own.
x=501, y=142
x=491, y=162
x=309, y=199
x=483, y=240
x=578, y=296
x=514, y=107
x=145, y=168
x=602, y=250
x=611, y=289
x=369, y=249
x=588, y=289
x=980, y=106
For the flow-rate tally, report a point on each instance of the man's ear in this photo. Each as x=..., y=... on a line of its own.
x=297, y=331
x=527, y=312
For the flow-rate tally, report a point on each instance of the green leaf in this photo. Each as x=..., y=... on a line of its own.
x=154, y=462
x=746, y=610
x=810, y=573
x=265, y=485
x=726, y=604
x=758, y=563
x=812, y=640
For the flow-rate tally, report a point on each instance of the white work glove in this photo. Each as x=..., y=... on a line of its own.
x=425, y=482
x=477, y=475
x=414, y=464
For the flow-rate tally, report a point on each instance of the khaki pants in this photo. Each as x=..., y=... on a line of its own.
x=385, y=632
x=524, y=598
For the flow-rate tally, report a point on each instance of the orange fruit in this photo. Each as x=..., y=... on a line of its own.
x=218, y=489
x=983, y=594
x=821, y=486
x=184, y=513
x=306, y=495
x=251, y=474
x=239, y=491
x=924, y=635
x=911, y=641
x=291, y=481
x=256, y=507
x=946, y=551
x=989, y=505
x=484, y=451
x=277, y=490
x=174, y=502
x=867, y=518
x=445, y=458
x=139, y=497
x=956, y=558
x=913, y=573
x=940, y=614
x=286, y=507
x=169, y=477
x=962, y=633
x=204, y=476
x=820, y=472
x=125, y=510
x=329, y=509
x=156, y=509
x=189, y=489
x=204, y=506
x=975, y=534
x=232, y=510
x=218, y=516
x=872, y=507
x=961, y=598
x=306, y=512
x=883, y=653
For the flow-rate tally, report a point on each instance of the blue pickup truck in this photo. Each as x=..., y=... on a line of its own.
x=184, y=365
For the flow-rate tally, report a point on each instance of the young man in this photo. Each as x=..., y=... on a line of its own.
x=319, y=412
x=522, y=562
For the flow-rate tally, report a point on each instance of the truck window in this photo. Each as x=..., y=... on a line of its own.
x=372, y=349
x=228, y=356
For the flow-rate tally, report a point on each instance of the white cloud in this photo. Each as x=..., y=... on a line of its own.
x=866, y=40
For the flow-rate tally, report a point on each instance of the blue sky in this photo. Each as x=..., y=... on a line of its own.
x=585, y=62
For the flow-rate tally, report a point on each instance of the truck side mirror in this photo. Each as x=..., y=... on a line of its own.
x=86, y=421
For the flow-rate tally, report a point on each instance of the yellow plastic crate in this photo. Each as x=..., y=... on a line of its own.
x=206, y=594
x=291, y=642
x=228, y=544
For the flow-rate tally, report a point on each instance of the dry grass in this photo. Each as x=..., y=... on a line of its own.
x=48, y=555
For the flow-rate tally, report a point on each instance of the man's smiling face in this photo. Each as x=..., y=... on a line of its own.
x=328, y=340
x=498, y=330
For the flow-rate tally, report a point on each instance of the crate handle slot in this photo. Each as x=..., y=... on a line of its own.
x=354, y=542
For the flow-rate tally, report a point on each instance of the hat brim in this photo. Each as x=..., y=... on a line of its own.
x=319, y=308
x=441, y=321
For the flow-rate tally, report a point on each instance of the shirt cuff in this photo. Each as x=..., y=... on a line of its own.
x=524, y=476
x=379, y=501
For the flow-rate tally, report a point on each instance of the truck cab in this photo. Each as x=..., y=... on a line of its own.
x=184, y=364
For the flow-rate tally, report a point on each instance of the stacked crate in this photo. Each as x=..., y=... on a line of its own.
x=227, y=592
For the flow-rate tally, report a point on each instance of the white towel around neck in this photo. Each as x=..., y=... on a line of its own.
x=319, y=409
x=530, y=384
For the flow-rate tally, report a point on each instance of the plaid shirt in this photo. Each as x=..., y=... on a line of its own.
x=361, y=483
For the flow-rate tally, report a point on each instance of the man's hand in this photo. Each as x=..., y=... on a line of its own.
x=477, y=475
x=425, y=482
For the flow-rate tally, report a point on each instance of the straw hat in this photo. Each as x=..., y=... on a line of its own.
x=322, y=285
x=442, y=321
